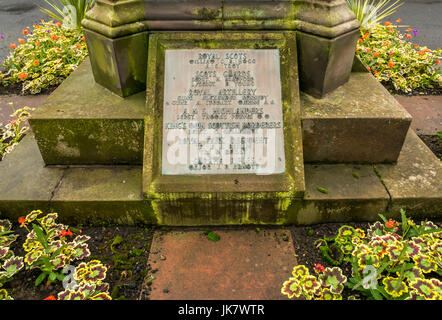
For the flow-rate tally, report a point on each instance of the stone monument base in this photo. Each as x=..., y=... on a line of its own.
x=82, y=123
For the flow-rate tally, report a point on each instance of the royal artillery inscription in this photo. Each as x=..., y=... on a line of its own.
x=222, y=112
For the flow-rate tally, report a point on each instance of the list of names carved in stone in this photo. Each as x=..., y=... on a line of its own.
x=222, y=112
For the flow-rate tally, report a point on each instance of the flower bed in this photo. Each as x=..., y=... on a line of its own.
x=63, y=262
x=399, y=64
x=43, y=58
x=388, y=260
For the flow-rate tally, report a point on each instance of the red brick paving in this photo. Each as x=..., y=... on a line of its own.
x=243, y=264
x=426, y=112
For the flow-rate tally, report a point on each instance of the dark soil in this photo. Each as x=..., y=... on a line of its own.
x=434, y=143
x=436, y=91
x=127, y=260
x=16, y=89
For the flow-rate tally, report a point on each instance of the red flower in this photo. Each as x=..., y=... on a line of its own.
x=319, y=268
x=65, y=233
x=21, y=220
x=391, y=224
x=436, y=62
x=23, y=75
x=50, y=298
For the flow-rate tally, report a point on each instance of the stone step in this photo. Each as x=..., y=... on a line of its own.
x=113, y=194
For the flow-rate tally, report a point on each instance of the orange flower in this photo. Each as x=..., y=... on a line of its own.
x=368, y=68
x=375, y=72
x=78, y=45
x=37, y=27
x=421, y=53
x=366, y=35
x=21, y=40
x=54, y=37
x=416, y=46
x=25, y=32
x=58, y=24
x=13, y=46
x=399, y=20
x=360, y=40
x=436, y=62
x=367, y=50
x=36, y=63
x=50, y=298
x=409, y=36
x=427, y=50
x=409, y=29
x=83, y=39
x=376, y=54
x=391, y=64
x=387, y=23
x=37, y=43
x=21, y=220
x=23, y=75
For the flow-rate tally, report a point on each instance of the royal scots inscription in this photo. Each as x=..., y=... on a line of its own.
x=222, y=112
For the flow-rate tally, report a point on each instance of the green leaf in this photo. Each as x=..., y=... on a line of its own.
x=52, y=277
x=40, y=235
x=383, y=218
x=376, y=294
x=323, y=190
x=213, y=236
x=40, y=278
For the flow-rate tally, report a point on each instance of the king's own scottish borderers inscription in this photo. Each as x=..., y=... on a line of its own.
x=222, y=112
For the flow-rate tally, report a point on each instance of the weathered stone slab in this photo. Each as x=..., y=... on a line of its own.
x=358, y=122
x=415, y=182
x=102, y=195
x=188, y=266
x=25, y=183
x=349, y=193
x=222, y=112
x=84, y=123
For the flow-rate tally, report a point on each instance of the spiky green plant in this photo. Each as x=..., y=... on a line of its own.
x=69, y=12
x=371, y=12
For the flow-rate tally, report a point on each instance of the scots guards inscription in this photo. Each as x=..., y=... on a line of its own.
x=222, y=112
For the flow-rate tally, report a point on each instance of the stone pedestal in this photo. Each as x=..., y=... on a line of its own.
x=118, y=30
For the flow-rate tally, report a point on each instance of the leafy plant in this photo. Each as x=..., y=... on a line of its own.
x=89, y=283
x=395, y=61
x=9, y=263
x=13, y=132
x=47, y=246
x=48, y=54
x=70, y=12
x=371, y=12
x=328, y=285
x=393, y=260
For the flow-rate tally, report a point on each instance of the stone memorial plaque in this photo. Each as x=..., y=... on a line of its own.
x=222, y=112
